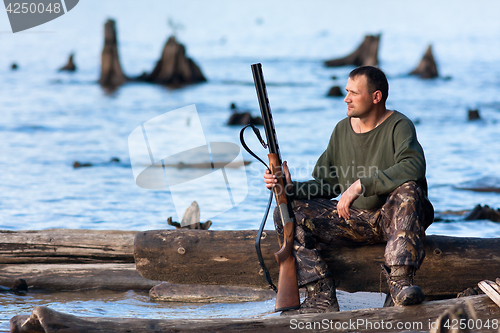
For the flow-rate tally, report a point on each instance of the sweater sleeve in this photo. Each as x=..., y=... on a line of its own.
x=409, y=163
x=325, y=183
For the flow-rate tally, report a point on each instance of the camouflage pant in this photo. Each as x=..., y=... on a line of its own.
x=401, y=222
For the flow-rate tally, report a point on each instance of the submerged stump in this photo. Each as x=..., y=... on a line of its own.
x=474, y=115
x=244, y=118
x=365, y=55
x=484, y=213
x=174, y=68
x=335, y=91
x=427, y=68
x=70, y=65
x=111, y=71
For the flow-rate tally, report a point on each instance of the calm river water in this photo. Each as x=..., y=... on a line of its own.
x=49, y=119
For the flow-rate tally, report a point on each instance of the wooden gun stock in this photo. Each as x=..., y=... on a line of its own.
x=288, y=291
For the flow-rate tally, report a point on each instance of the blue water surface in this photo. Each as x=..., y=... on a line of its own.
x=51, y=119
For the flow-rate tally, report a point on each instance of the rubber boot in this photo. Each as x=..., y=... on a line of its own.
x=321, y=297
x=400, y=281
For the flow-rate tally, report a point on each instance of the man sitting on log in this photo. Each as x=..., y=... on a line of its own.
x=375, y=162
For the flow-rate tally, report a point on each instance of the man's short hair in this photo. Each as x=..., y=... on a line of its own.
x=375, y=78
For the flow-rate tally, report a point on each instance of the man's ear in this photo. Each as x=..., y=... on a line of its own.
x=377, y=97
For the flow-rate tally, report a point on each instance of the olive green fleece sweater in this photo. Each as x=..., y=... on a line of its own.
x=383, y=159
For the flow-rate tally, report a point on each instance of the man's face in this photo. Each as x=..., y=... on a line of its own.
x=359, y=100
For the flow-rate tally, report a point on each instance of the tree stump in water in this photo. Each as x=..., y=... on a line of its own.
x=111, y=71
x=174, y=68
x=484, y=213
x=365, y=55
x=335, y=91
x=474, y=114
x=427, y=68
x=70, y=65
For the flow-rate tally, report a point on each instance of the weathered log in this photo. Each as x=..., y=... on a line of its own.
x=72, y=277
x=70, y=65
x=174, y=69
x=485, y=184
x=112, y=161
x=365, y=55
x=418, y=318
x=427, y=68
x=63, y=259
x=66, y=246
x=111, y=71
x=452, y=264
x=191, y=293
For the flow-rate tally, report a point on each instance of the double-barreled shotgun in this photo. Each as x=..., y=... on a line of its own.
x=288, y=292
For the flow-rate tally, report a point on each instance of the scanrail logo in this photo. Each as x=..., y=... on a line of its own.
x=171, y=152
x=26, y=14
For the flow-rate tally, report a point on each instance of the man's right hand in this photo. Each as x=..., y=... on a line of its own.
x=271, y=180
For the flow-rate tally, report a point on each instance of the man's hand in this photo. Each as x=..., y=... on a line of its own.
x=271, y=180
x=347, y=198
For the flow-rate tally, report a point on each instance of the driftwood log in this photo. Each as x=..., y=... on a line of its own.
x=427, y=68
x=485, y=184
x=418, y=318
x=196, y=293
x=365, y=55
x=63, y=246
x=452, y=264
x=70, y=65
x=111, y=71
x=72, y=260
x=174, y=68
x=62, y=259
x=74, y=277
